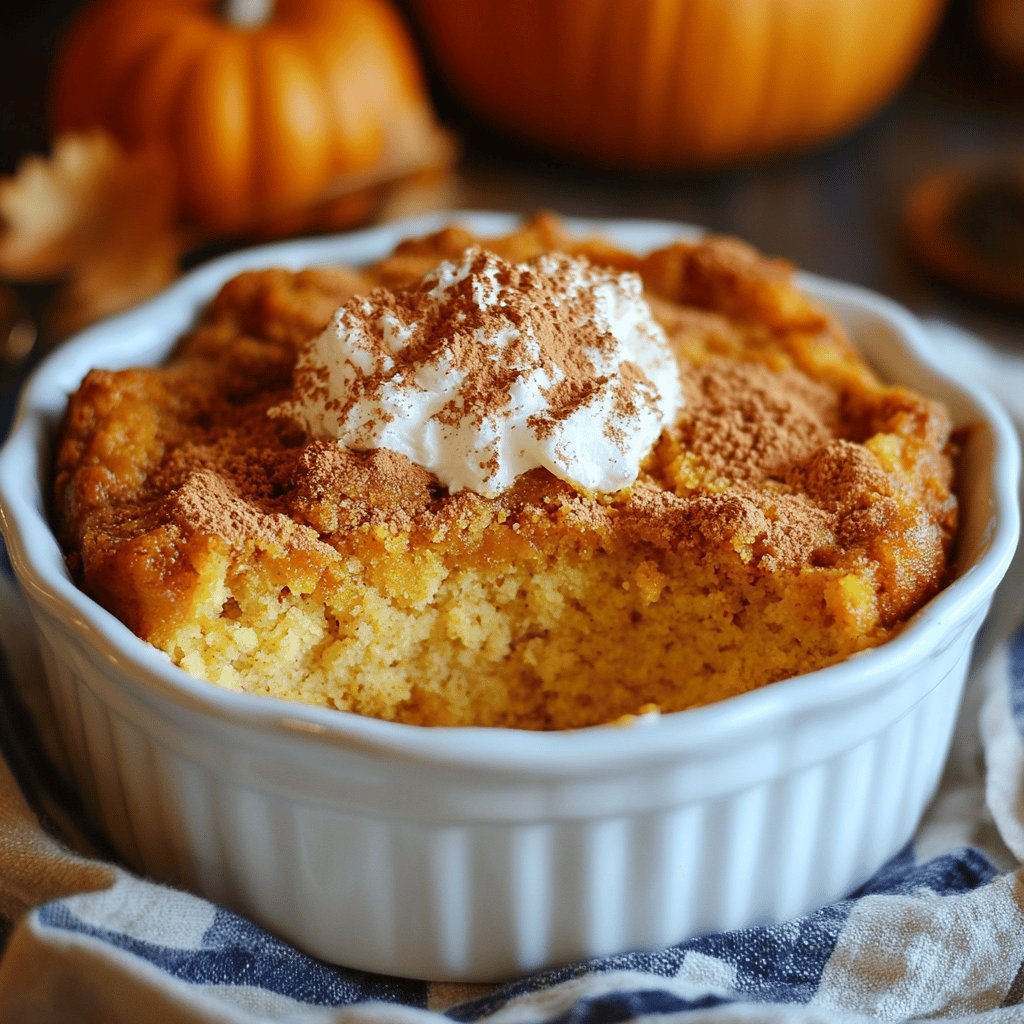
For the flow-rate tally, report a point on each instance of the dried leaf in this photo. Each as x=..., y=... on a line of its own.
x=96, y=217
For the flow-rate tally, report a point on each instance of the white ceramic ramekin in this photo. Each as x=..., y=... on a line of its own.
x=477, y=854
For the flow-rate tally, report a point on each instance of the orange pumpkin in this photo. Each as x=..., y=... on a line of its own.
x=667, y=84
x=262, y=105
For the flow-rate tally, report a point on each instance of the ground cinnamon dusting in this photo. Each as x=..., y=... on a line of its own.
x=208, y=503
x=749, y=425
x=543, y=319
x=755, y=422
x=524, y=299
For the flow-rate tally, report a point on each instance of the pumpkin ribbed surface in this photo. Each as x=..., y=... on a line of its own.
x=663, y=84
x=260, y=118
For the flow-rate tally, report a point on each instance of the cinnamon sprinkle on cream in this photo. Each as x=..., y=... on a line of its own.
x=484, y=369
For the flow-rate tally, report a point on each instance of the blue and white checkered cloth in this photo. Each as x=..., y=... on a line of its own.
x=937, y=933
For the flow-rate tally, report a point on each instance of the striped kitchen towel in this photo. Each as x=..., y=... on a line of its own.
x=937, y=933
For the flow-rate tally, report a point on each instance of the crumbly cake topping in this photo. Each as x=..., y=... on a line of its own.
x=747, y=421
x=223, y=489
x=765, y=456
x=210, y=502
x=777, y=480
x=774, y=478
x=483, y=370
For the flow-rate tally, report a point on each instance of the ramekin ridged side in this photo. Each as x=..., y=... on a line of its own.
x=474, y=854
x=557, y=870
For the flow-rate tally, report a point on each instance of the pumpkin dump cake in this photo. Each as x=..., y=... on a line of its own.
x=532, y=481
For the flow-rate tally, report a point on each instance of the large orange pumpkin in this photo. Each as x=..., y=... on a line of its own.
x=667, y=84
x=262, y=104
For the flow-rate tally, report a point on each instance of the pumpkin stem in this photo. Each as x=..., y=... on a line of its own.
x=246, y=13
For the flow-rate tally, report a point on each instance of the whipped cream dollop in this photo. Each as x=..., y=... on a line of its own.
x=484, y=370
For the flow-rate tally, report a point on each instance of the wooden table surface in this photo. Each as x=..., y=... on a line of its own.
x=835, y=210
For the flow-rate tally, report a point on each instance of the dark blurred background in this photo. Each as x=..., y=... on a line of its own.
x=835, y=210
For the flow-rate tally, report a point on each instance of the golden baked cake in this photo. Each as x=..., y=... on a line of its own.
x=787, y=510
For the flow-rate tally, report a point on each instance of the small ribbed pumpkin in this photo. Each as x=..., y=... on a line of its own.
x=263, y=105
x=673, y=84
